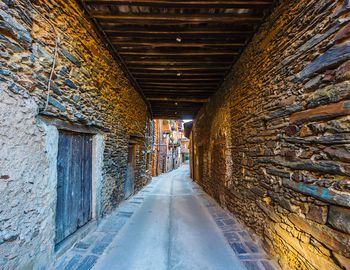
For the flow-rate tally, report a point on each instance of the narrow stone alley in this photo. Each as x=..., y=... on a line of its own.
x=169, y=224
x=103, y=101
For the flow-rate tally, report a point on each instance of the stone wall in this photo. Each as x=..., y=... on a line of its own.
x=88, y=89
x=276, y=151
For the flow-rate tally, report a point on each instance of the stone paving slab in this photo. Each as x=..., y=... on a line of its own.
x=84, y=254
x=246, y=249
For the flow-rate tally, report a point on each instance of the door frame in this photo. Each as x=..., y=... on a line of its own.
x=133, y=148
x=52, y=127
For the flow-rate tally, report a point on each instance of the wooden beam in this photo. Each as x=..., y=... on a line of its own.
x=193, y=74
x=139, y=18
x=176, y=63
x=199, y=44
x=173, y=43
x=178, y=96
x=177, y=91
x=166, y=28
x=180, y=68
x=178, y=84
x=174, y=34
x=169, y=91
x=208, y=53
x=178, y=58
x=175, y=108
x=122, y=41
x=190, y=100
x=179, y=79
x=185, y=4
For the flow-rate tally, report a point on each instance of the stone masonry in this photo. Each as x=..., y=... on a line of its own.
x=276, y=151
x=88, y=89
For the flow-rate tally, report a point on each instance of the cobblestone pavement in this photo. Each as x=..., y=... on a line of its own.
x=170, y=224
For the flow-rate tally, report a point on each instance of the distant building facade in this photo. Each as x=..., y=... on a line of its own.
x=170, y=146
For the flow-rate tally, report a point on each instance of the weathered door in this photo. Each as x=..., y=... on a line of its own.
x=74, y=183
x=130, y=173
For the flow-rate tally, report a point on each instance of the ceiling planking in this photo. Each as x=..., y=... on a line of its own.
x=177, y=53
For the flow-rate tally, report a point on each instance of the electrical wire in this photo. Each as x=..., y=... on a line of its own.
x=57, y=40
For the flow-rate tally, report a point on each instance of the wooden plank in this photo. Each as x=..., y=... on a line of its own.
x=63, y=168
x=190, y=100
x=187, y=34
x=201, y=64
x=163, y=29
x=174, y=78
x=161, y=111
x=179, y=58
x=176, y=84
x=176, y=38
x=173, y=50
x=174, y=74
x=152, y=18
x=180, y=68
x=130, y=174
x=86, y=180
x=122, y=44
x=75, y=197
x=171, y=107
x=178, y=89
x=174, y=62
x=183, y=53
x=185, y=4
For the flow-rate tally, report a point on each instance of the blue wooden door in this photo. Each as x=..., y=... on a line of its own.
x=130, y=173
x=74, y=183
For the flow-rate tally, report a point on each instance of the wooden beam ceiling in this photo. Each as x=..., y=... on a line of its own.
x=185, y=4
x=177, y=52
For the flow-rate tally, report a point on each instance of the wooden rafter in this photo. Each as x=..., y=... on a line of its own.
x=179, y=18
x=185, y=4
x=177, y=52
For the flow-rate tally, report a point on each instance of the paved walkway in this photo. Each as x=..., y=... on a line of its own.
x=170, y=225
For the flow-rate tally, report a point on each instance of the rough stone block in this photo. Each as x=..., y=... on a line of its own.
x=333, y=57
x=337, y=241
x=251, y=265
x=267, y=265
x=70, y=84
x=329, y=94
x=82, y=245
x=54, y=102
x=343, y=33
x=338, y=153
x=322, y=113
x=269, y=211
x=343, y=72
x=318, y=214
x=328, y=195
x=71, y=57
x=339, y=218
x=73, y=262
x=87, y=263
x=317, y=261
x=11, y=25
x=99, y=248
x=343, y=261
x=239, y=248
